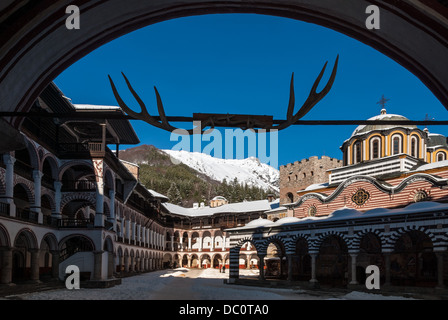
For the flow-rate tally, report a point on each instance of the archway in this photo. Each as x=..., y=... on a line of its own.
x=369, y=254
x=301, y=268
x=25, y=262
x=332, y=261
x=275, y=260
x=413, y=261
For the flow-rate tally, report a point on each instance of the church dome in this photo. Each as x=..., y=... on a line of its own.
x=362, y=129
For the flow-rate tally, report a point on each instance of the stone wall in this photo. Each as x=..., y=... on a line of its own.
x=301, y=174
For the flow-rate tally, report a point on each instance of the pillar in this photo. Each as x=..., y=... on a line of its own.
x=313, y=279
x=36, y=207
x=110, y=265
x=9, y=183
x=261, y=266
x=223, y=243
x=111, y=217
x=57, y=200
x=97, y=264
x=34, y=277
x=289, y=257
x=440, y=280
x=126, y=263
x=128, y=230
x=353, y=268
x=6, y=267
x=55, y=264
x=189, y=243
x=387, y=268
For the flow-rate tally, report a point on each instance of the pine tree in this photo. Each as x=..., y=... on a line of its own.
x=174, y=195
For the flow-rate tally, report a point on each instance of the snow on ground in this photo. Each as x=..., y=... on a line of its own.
x=194, y=284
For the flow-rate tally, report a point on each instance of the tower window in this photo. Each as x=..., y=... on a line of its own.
x=357, y=152
x=441, y=156
x=375, y=148
x=414, y=146
x=396, y=144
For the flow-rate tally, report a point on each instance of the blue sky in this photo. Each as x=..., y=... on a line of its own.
x=242, y=63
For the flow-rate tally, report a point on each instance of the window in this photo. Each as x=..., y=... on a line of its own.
x=360, y=197
x=396, y=144
x=420, y=196
x=312, y=211
x=357, y=152
x=414, y=147
x=440, y=156
x=290, y=196
x=375, y=148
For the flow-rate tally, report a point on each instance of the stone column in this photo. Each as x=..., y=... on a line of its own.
x=111, y=217
x=9, y=183
x=353, y=268
x=34, y=277
x=189, y=262
x=6, y=267
x=98, y=165
x=189, y=243
x=313, y=279
x=126, y=263
x=387, y=268
x=36, y=207
x=57, y=200
x=212, y=246
x=132, y=266
x=172, y=243
x=97, y=264
x=440, y=280
x=200, y=243
x=223, y=243
x=128, y=230
x=110, y=265
x=261, y=266
x=55, y=264
x=289, y=257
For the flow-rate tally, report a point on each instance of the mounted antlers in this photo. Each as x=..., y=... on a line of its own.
x=229, y=120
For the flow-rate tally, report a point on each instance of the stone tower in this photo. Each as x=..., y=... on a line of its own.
x=301, y=174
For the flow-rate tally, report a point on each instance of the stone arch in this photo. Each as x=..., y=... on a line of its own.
x=50, y=198
x=108, y=244
x=87, y=197
x=70, y=164
x=315, y=245
x=53, y=165
x=82, y=242
x=413, y=257
x=332, y=260
x=4, y=237
x=29, y=237
x=28, y=188
x=51, y=240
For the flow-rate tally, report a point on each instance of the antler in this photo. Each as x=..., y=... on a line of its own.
x=227, y=120
x=311, y=101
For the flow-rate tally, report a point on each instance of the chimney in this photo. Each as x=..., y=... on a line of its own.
x=271, y=197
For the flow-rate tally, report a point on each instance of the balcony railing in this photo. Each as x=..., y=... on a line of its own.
x=74, y=223
x=4, y=209
x=81, y=150
x=26, y=214
x=78, y=185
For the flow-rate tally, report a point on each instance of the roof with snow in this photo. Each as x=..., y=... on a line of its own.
x=361, y=129
x=348, y=213
x=238, y=207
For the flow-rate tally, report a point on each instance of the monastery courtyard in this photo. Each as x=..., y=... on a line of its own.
x=195, y=284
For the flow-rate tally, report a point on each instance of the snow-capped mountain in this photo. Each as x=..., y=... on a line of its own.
x=250, y=170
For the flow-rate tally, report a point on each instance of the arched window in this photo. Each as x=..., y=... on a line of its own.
x=357, y=152
x=290, y=196
x=375, y=147
x=396, y=144
x=440, y=156
x=414, y=147
x=304, y=175
x=312, y=211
